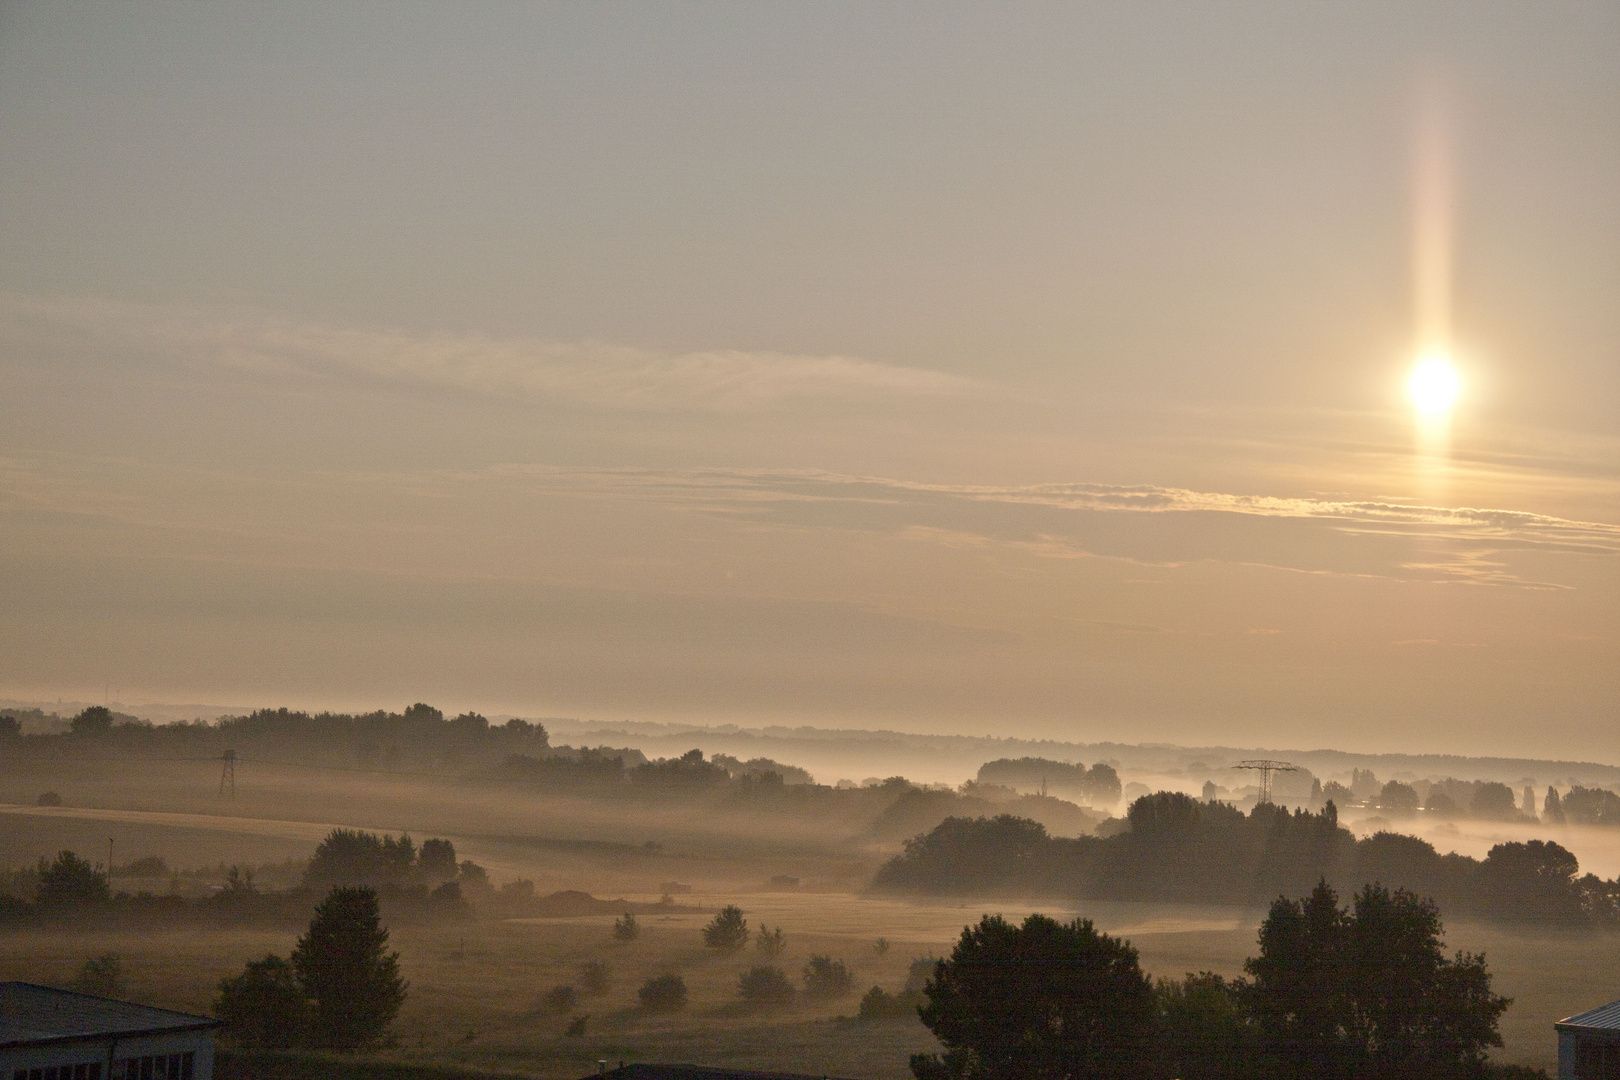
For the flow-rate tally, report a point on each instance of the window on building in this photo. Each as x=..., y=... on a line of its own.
x=156, y=1067
x=82, y=1070
x=1597, y=1060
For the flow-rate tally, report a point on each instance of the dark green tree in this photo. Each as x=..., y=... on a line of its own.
x=264, y=1006
x=1204, y=1029
x=1368, y=993
x=343, y=964
x=728, y=930
x=70, y=880
x=96, y=720
x=1529, y=882
x=626, y=928
x=437, y=860
x=1041, y=1001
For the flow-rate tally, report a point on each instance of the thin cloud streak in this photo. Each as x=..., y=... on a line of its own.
x=588, y=374
x=749, y=486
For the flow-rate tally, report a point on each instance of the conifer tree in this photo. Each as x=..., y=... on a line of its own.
x=344, y=966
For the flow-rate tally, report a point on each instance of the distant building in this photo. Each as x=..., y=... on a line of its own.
x=1589, y=1044
x=48, y=1034
x=693, y=1072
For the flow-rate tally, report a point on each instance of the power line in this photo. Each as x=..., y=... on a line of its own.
x=1266, y=767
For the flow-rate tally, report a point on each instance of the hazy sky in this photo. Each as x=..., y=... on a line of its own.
x=981, y=368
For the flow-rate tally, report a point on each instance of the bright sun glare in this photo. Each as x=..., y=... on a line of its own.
x=1433, y=384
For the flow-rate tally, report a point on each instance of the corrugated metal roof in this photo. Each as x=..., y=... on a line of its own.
x=32, y=1014
x=1602, y=1018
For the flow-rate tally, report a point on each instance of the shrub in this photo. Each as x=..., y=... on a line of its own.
x=765, y=986
x=70, y=880
x=48, y=798
x=878, y=1005
x=576, y=1029
x=559, y=999
x=626, y=929
x=593, y=977
x=664, y=993
x=825, y=977
x=264, y=1006
x=104, y=976
x=729, y=930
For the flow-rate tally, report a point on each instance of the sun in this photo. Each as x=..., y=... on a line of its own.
x=1434, y=384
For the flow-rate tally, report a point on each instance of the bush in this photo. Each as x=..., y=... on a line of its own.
x=104, y=976
x=593, y=977
x=765, y=986
x=626, y=929
x=70, y=880
x=825, y=977
x=49, y=798
x=576, y=1029
x=729, y=930
x=665, y=993
x=559, y=999
x=264, y=1006
x=876, y=1004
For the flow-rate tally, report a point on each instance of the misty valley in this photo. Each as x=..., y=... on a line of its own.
x=547, y=907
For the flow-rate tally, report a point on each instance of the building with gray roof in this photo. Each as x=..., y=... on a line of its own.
x=50, y=1034
x=1589, y=1044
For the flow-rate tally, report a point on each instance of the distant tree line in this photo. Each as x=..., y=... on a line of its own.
x=1177, y=848
x=1098, y=785
x=420, y=738
x=425, y=883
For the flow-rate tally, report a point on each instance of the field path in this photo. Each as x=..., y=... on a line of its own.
x=281, y=830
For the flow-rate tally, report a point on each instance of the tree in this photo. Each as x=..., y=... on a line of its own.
x=103, y=975
x=626, y=929
x=1368, y=992
x=1494, y=801
x=1041, y=1000
x=10, y=728
x=343, y=965
x=825, y=977
x=437, y=860
x=1300, y=998
x=1530, y=882
x=95, y=721
x=771, y=943
x=1398, y=798
x=663, y=993
x=70, y=880
x=264, y=1006
x=728, y=930
x=1204, y=1030
x=1552, y=808
x=765, y=986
